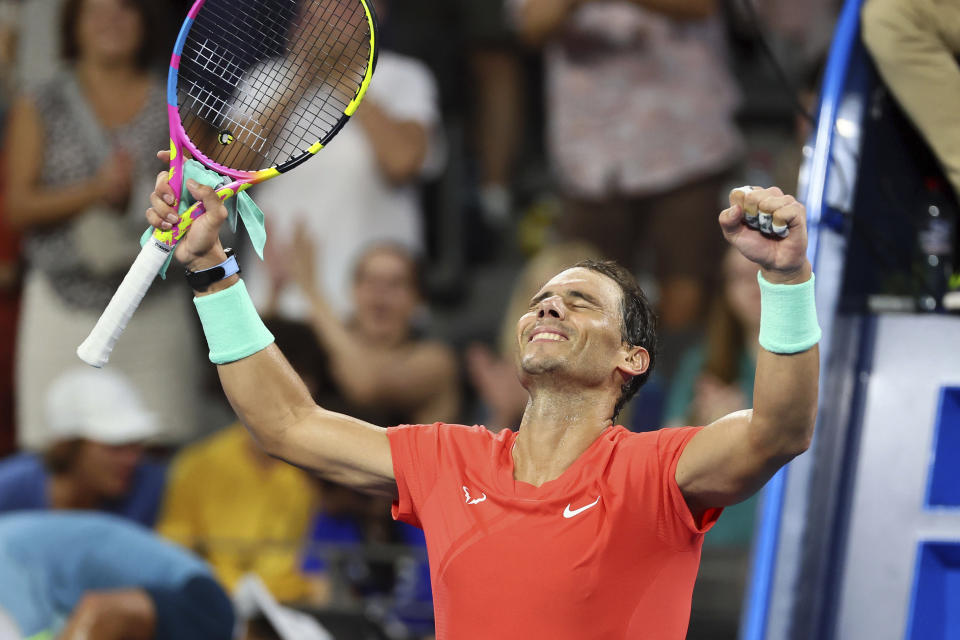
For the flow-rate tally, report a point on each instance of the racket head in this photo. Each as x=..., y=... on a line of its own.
x=257, y=87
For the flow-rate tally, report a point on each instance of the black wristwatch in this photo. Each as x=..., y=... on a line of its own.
x=201, y=280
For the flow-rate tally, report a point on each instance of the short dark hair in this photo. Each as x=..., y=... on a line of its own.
x=70, y=16
x=638, y=326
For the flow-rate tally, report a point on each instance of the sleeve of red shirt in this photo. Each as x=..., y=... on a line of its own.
x=416, y=459
x=678, y=522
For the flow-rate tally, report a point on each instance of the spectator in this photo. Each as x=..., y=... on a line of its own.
x=915, y=46
x=379, y=366
x=83, y=142
x=494, y=374
x=362, y=189
x=640, y=132
x=713, y=379
x=716, y=378
x=201, y=510
x=95, y=461
x=83, y=575
x=498, y=100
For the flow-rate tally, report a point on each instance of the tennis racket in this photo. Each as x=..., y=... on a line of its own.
x=255, y=88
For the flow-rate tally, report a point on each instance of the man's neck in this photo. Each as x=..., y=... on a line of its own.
x=66, y=493
x=557, y=427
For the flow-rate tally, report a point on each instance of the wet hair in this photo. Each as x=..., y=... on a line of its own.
x=638, y=326
x=149, y=44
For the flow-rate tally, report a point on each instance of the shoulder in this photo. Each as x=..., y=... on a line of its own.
x=651, y=447
x=51, y=93
x=666, y=437
x=450, y=447
x=23, y=480
x=19, y=472
x=441, y=435
x=474, y=433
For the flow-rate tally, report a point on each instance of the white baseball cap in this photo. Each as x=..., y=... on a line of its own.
x=98, y=405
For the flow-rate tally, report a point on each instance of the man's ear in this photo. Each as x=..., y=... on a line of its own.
x=635, y=361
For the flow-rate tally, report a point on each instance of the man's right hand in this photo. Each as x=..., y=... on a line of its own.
x=200, y=247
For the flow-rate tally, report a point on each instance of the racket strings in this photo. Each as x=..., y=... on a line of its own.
x=260, y=81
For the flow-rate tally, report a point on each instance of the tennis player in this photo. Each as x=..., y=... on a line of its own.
x=573, y=527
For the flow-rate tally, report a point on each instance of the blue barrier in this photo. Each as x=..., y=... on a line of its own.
x=763, y=565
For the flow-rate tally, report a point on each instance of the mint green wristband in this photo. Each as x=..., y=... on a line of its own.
x=788, y=316
x=231, y=324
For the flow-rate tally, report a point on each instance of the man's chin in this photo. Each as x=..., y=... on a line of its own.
x=538, y=365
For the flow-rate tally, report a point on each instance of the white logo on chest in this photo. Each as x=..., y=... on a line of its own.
x=470, y=500
x=569, y=513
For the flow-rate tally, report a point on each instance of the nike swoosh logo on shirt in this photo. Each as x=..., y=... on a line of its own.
x=569, y=513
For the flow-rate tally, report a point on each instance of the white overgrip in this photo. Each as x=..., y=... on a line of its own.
x=95, y=350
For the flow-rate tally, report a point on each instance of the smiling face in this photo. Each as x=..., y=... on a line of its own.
x=573, y=331
x=385, y=294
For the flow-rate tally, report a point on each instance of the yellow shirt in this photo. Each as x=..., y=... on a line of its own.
x=242, y=514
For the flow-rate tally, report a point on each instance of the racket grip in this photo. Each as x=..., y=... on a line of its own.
x=95, y=350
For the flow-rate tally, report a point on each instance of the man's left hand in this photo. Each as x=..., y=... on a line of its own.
x=782, y=259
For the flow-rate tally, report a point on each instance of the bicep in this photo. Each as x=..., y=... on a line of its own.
x=341, y=449
x=725, y=463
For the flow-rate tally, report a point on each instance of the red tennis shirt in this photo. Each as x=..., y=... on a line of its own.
x=609, y=550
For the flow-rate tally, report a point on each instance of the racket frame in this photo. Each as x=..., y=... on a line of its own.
x=241, y=179
x=96, y=349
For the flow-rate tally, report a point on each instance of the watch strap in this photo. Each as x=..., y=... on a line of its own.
x=201, y=280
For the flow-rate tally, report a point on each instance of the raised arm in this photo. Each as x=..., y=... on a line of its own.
x=733, y=457
x=263, y=389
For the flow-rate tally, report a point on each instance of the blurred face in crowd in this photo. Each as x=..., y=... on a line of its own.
x=385, y=294
x=109, y=31
x=105, y=470
x=741, y=288
x=573, y=328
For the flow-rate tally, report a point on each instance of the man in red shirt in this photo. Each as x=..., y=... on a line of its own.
x=573, y=527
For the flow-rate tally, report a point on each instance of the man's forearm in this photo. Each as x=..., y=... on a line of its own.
x=263, y=389
x=268, y=397
x=785, y=401
x=786, y=387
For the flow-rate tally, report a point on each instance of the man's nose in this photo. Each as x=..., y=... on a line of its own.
x=553, y=307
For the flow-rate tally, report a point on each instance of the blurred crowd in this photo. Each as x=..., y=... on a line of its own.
x=500, y=141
